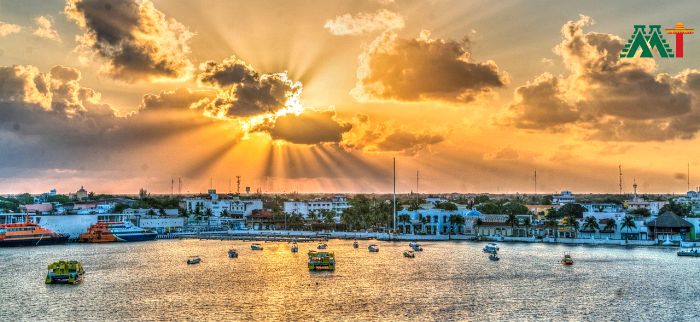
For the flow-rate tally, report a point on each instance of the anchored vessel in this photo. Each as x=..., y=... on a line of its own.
x=374, y=248
x=232, y=253
x=567, y=260
x=256, y=247
x=491, y=248
x=322, y=246
x=65, y=272
x=355, y=244
x=689, y=252
x=295, y=248
x=415, y=246
x=321, y=261
x=494, y=256
x=193, y=260
x=29, y=234
x=409, y=254
x=106, y=232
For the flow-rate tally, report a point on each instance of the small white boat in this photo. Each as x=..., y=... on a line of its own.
x=491, y=248
x=494, y=257
x=689, y=252
x=322, y=246
x=374, y=248
x=193, y=260
x=232, y=253
x=295, y=248
x=256, y=247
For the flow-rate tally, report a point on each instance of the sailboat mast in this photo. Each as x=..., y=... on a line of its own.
x=394, y=205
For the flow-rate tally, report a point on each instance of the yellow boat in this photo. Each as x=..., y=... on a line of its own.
x=65, y=272
x=321, y=261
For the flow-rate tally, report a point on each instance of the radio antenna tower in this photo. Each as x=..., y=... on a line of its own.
x=172, y=186
x=688, y=176
x=535, y=181
x=417, y=179
x=620, y=168
x=179, y=186
x=238, y=185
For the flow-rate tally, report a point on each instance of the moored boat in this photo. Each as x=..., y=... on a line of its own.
x=194, y=260
x=321, y=261
x=107, y=232
x=567, y=260
x=322, y=246
x=374, y=248
x=65, y=272
x=491, y=248
x=232, y=253
x=256, y=247
x=295, y=248
x=409, y=254
x=689, y=252
x=29, y=234
x=494, y=257
x=355, y=244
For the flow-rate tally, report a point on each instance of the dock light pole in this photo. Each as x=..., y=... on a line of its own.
x=394, y=206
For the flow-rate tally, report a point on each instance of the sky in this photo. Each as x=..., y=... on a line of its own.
x=320, y=96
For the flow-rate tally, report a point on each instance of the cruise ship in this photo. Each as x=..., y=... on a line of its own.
x=29, y=234
x=106, y=232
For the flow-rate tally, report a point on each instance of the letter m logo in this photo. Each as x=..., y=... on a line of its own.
x=646, y=40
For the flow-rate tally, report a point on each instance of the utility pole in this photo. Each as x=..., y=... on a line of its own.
x=238, y=185
x=172, y=186
x=535, y=181
x=394, y=206
x=179, y=186
x=620, y=168
x=688, y=176
x=417, y=178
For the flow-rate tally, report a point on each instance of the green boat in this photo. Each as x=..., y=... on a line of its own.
x=65, y=272
x=321, y=261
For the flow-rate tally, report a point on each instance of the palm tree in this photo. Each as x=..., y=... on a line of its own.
x=610, y=226
x=456, y=220
x=553, y=223
x=512, y=220
x=313, y=216
x=404, y=219
x=527, y=225
x=572, y=223
x=628, y=222
x=477, y=223
x=591, y=224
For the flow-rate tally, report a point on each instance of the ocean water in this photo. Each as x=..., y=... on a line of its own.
x=448, y=281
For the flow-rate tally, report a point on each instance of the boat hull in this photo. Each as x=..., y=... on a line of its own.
x=62, y=239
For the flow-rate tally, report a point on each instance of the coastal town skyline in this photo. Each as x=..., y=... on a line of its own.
x=319, y=97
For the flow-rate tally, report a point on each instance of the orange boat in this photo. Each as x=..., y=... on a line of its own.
x=107, y=232
x=29, y=234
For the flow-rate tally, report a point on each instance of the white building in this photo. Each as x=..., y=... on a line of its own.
x=435, y=221
x=565, y=197
x=234, y=207
x=162, y=225
x=337, y=204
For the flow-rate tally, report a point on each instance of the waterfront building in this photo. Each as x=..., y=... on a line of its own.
x=168, y=212
x=565, y=197
x=304, y=208
x=261, y=220
x=601, y=211
x=498, y=225
x=81, y=194
x=669, y=226
x=435, y=221
x=162, y=225
x=234, y=207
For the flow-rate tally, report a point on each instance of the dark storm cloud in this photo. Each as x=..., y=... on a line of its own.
x=607, y=97
x=137, y=41
x=383, y=137
x=309, y=127
x=394, y=68
x=244, y=92
x=180, y=98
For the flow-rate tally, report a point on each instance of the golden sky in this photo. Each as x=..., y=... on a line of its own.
x=319, y=96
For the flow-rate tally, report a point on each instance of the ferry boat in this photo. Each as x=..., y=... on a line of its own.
x=689, y=252
x=322, y=246
x=374, y=248
x=29, y=234
x=295, y=248
x=107, y=232
x=65, y=272
x=194, y=260
x=256, y=247
x=491, y=248
x=567, y=260
x=409, y=254
x=232, y=253
x=321, y=261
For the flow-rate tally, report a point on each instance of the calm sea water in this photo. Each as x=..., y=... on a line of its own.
x=448, y=281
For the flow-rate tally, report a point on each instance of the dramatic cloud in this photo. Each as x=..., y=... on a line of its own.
x=607, y=97
x=363, y=22
x=137, y=41
x=506, y=153
x=383, y=137
x=393, y=68
x=8, y=29
x=182, y=98
x=243, y=92
x=45, y=29
x=309, y=127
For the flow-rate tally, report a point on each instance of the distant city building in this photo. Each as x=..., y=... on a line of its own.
x=81, y=194
x=435, y=200
x=234, y=207
x=565, y=197
x=337, y=204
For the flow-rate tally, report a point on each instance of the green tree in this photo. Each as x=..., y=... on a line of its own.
x=512, y=221
x=515, y=208
x=682, y=210
x=527, y=223
x=446, y=206
x=456, y=220
x=571, y=209
x=328, y=216
x=151, y=213
x=591, y=224
x=628, y=222
x=477, y=223
x=643, y=212
x=489, y=208
x=313, y=216
x=610, y=225
x=161, y=212
x=208, y=213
